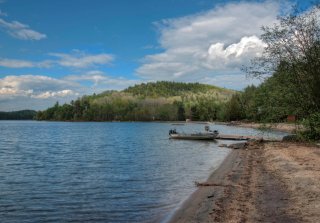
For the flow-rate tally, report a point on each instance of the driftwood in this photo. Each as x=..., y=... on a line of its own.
x=238, y=145
x=205, y=184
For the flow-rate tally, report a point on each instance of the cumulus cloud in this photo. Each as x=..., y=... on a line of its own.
x=79, y=59
x=35, y=86
x=20, y=31
x=205, y=45
x=235, y=54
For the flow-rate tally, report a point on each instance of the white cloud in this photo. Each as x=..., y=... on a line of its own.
x=233, y=81
x=21, y=31
x=247, y=44
x=79, y=59
x=12, y=63
x=235, y=54
x=214, y=43
x=35, y=86
x=50, y=94
x=76, y=59
x=35, y=92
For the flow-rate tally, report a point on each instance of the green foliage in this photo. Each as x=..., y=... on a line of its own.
x=170, y=89
x=234, y=109
x=18, y=115
x=164, y=101
x=312, y=124
x=292, y=57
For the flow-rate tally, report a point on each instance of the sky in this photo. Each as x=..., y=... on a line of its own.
x=60, y=50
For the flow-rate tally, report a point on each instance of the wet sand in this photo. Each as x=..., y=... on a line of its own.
x=264, y=182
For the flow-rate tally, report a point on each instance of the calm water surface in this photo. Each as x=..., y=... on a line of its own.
x=100, y=172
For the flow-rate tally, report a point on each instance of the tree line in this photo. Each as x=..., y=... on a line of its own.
x=160, y=101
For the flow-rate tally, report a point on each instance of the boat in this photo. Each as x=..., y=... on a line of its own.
x=207, y=135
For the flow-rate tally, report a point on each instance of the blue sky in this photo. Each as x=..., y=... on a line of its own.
x=60, y=50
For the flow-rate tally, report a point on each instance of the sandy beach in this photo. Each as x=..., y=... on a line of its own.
x=263, y=182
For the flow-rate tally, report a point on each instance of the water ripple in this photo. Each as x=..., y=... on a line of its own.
x=98, y=172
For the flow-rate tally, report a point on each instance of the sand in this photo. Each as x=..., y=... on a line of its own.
x=265, y=182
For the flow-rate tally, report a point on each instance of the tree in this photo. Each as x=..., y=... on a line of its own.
x=293, y=52
x=292, y=56
x=181, y=111
x=233, y=109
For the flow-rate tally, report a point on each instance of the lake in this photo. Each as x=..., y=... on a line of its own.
x=101, y=172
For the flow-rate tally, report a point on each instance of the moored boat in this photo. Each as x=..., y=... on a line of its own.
x=207, y=135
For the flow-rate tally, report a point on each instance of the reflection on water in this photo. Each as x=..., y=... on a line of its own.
x=99, y=172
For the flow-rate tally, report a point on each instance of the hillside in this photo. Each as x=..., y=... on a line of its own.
x=170, y=89
x=145, y=102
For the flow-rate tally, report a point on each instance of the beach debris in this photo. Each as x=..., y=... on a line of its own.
x=251, y=144
x=206, y=184
x=238, y=145
x=210, y=196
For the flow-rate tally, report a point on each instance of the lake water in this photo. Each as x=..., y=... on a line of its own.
x=100, y=172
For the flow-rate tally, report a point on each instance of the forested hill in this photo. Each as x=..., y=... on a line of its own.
x=169, y=89
x=145, y=102
x=18, y=115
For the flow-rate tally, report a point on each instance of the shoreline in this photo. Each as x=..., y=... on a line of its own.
x=283, y=127
x=198, y=199
x=266, y=182
x=188, y=199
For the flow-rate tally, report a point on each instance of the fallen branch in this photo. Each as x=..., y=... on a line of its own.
x=198, y=184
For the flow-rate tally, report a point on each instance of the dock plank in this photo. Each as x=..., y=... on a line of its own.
x=240, y=137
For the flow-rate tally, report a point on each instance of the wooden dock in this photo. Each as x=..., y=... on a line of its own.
x=239, y=138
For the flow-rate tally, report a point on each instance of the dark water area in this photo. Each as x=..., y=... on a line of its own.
x=100, y=172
